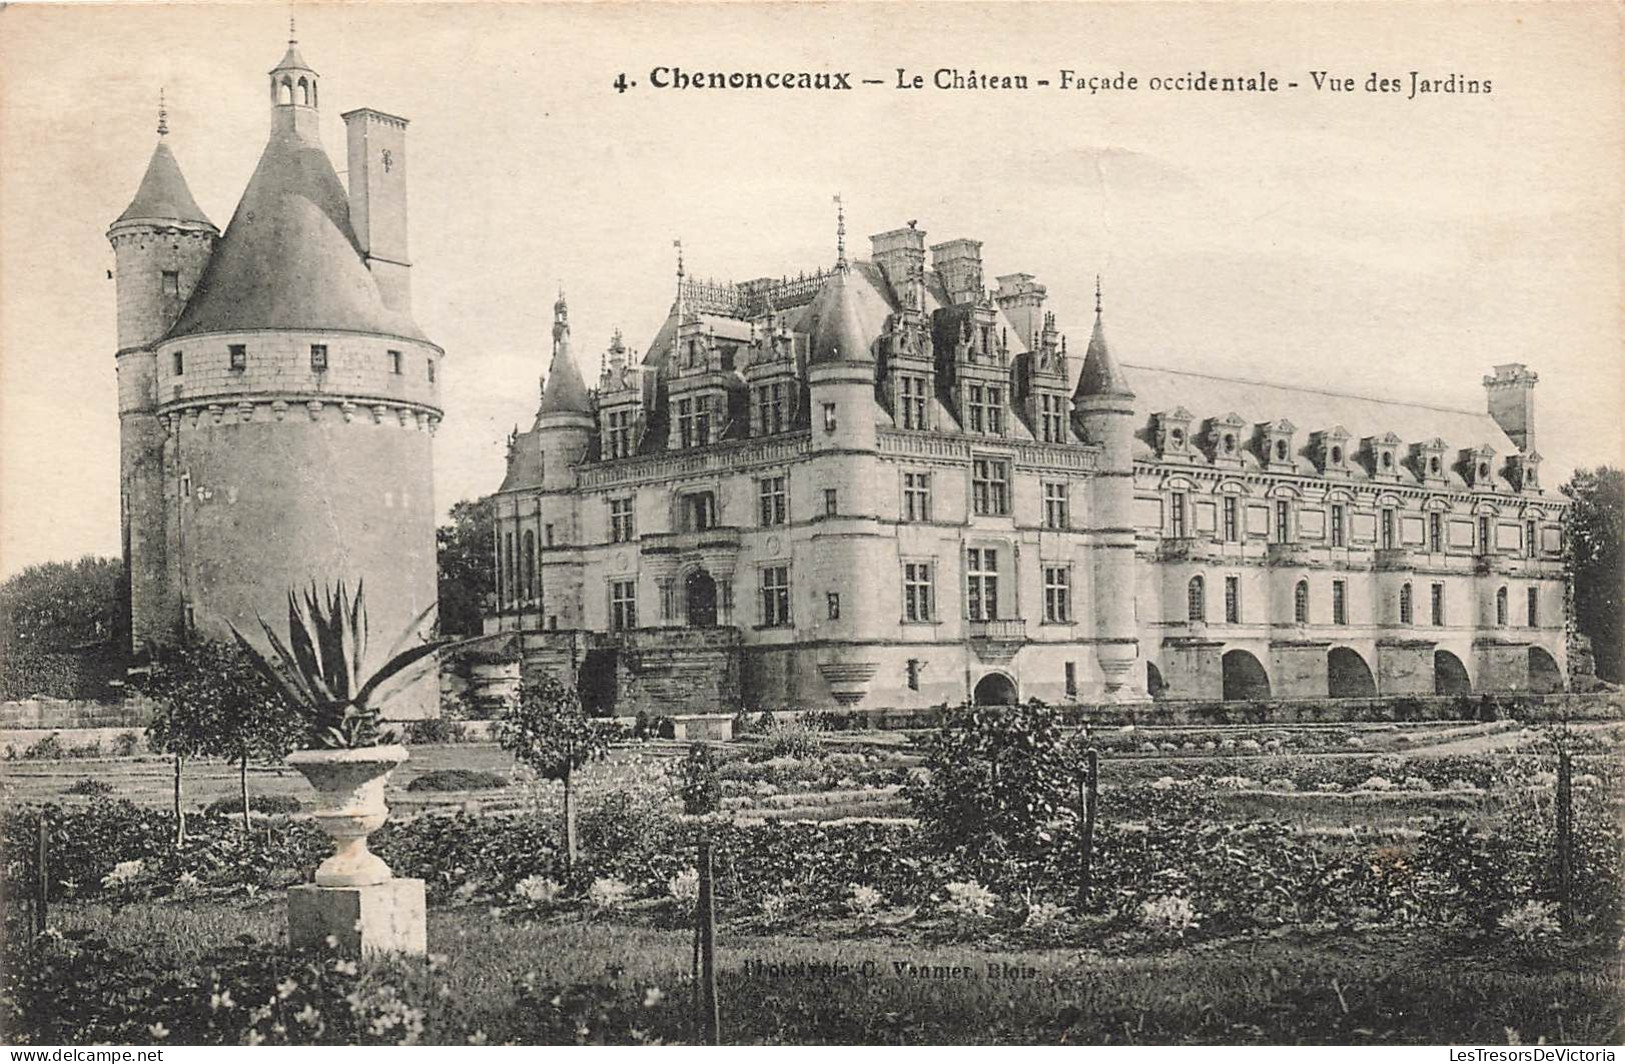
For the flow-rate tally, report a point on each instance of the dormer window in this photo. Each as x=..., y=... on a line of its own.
x=1276, y=440
x=1177, y=438
x=1173, y=433
x=1280, y=450
x=1331, y=450
x=1479, y=464
x=1226, y=439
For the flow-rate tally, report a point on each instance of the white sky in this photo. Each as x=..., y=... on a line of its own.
x=1365, y=243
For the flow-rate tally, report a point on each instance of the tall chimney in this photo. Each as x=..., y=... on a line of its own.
x=1512, y=402
x=377, y=157
x=959, y=264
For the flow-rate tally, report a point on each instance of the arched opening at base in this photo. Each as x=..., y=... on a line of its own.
x=995, y=689
x=1244, y=677
x=700, y=593
x=1450, y=675
x=1155, y=685
x=1544, y=676
x=1347, y=675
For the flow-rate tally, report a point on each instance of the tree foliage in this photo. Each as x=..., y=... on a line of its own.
x=1595, y=520
x=210, y=701
x=999, y=779
x=466, y=574
x=547, y=729
x=61, y=605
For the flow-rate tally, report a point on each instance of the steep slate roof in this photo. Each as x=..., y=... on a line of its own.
x=289, y=259
x=1101, y=374
x=525, y=467
x=565, y=391
x=164, y=194
x=836, y=323
x=1312, y=410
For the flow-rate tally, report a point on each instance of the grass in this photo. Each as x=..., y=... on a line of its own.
x=1303, y=989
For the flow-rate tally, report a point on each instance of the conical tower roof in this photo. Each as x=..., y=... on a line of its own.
x=289, y=258
x=565, y=392
x=164, y=194
x=838, y=332
x=1101, y=374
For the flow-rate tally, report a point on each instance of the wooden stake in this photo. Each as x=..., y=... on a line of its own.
x=710, y=1009
x=1565, y=839
x=1091, y=801
x=42, y=878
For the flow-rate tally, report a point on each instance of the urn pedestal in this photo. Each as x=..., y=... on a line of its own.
x=355, y=899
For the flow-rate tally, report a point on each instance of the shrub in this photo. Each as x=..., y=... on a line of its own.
x=269, y=804
x=1170, y=916
x=793, y=739
x=436, y=730
x=684, y=887
x=701, y=788
x=458, y=779
x=538, y=890
x=1531, y=923
x=607, y=892
x=970, y=900
x=126, y=743
x=89, y=787
x=863, y=900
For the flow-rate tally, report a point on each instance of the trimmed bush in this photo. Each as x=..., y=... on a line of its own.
x=458, y=779
x=269, y=804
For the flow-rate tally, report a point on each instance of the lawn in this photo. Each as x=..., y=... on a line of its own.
x=844, y=984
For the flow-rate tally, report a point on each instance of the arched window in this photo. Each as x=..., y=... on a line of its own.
x=1405, y=604
x=285, y=92
x=1501, y=608
x=1195, y=600
x=530, y=566
x=304, y=92
x=1300, y=602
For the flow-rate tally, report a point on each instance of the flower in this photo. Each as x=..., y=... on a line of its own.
x=221, y=1000
x=863, y=899
x=773, y=907
x=253, y=1038
x=158, y=1030
x=1531, y=922
x=285, y=989
x=538, y=890
x=652, y=996
x=344, y=967
x=684, y=886
x=186, y=883
x=124, y=872
x=969, y=899
x=1169, y=916
x=308, y=1016
x=607, y=892
x=1042, y=914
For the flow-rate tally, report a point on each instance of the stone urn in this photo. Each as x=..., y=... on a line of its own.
x=350, y=806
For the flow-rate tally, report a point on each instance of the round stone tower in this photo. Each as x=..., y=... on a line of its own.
x=296, y=401
x=161, y=244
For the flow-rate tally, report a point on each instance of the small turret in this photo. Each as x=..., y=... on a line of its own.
x=294, y=91
x=564, y=421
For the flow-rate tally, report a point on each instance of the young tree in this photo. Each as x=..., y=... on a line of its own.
x=547, y=729
x=466, y=576
x=210, y=701
x=1596, y=516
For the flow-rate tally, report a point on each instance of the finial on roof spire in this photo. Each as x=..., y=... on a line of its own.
x=678, y=244
x=292, y=37
x=840, y=233
x=163, y=114
x=1097, y=295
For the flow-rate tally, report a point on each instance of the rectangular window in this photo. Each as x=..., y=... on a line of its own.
x=1530, y=549
x=699, y=511
x=1057, y=594
x=995, y=411
x=1340, y=605
x=620, y=521
x=395, y=362
x=318, y=357
x=511, y=580
x=1405, y=606
x=913, y=674
x=830, y=506
x=191, y=617
x=774, y=504
x=1388, y=530
x=832, y=602
x=770, y=409
x=623, y=605
x=1055, y=515
x=829, y=417
x=990, y=486
x=428, y=364
x=685, y=423
x=977, y=402
x=1176, y=515
x=239, y=356
x=1337, y=525
x=620, y=434
x=1437, y=604
x=1283, y=521
x=172, y=282
x=1232, y=600
x=1071, y=679
x=918, y=600
x=1483, y=535
x=911, y=401
x=1435, y=533
x=982, y=584
x=702, y=420
x=178, y=363
x=1532, y=603
x=1051, y=419
x=916, y=496
x=1230, y=519
x=775, y=596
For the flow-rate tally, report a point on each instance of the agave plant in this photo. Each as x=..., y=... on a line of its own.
x=318, y=670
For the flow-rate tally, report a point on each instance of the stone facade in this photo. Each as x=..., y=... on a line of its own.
x=893, y=487
x=277, y=403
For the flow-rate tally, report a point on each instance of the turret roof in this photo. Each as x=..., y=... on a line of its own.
x=164, y=194
x=565, y=391
x=1101, y=373
x=845, y=319
x=289, y=258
